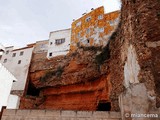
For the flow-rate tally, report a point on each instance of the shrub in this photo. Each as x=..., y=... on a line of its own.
x=49, y=74
x=105, y=54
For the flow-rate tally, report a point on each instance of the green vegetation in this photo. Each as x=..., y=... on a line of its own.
x=57, y=73
x=104, y=55
x=91, y=48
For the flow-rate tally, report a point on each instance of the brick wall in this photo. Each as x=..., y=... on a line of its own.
x=58, y=115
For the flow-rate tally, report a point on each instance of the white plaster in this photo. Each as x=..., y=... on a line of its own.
x=61, y=49
x=131, y=68
x=13, y=102
x=20, y=71
x=6, y=80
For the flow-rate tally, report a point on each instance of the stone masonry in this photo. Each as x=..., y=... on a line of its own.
x=58, y=115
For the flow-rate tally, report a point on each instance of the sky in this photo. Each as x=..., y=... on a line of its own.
x=26, y=21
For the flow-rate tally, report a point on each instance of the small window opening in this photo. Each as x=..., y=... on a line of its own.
x=104, y=106
x=87, y=40
x=50, y=54
x=21, y=53
x=5, y=60
x=7, y=51
x=19, y=61
x=14, y=54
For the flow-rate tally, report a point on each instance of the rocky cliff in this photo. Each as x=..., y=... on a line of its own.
x=77, y=81
x=82, y=80
x=135, y=48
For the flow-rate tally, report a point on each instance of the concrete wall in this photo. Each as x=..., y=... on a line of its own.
x=13, y=102
x=58, y=115
x=20, y=71
x=7, y=79
x=59, y=49
x=41, y=46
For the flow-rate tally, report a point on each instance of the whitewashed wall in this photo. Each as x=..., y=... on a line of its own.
x=13, y=102
x=61, y=49
x=20, y=71
x=6, y=80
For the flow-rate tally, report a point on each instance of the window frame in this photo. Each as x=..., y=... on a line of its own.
x=7, y=52
x=19, y=61
x=50, y=54
x=88, y=19
x=14, y=55
x=21, y=53
x=59, y=41
x=100, y=17
x=5, y=60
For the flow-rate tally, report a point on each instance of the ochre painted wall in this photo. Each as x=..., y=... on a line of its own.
x=99, y=29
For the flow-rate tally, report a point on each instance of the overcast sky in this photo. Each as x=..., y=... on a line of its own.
x=27, y=21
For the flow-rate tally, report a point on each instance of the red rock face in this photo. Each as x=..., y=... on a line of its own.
x=74, y=82
x=79, y=81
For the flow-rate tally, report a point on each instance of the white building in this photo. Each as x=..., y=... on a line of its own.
x=17, y=62
x=6, y=80
x=59, y=43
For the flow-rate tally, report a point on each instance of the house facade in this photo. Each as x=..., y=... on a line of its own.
x=17, y=61
x=94, y=28
x=7, y=79
x=59, y=43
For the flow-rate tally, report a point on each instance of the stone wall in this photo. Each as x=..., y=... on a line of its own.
x=58, y=115
x=135, y=50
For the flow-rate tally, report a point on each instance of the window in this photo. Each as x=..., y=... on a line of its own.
x=111, y=23
x=79, y=35
x=88, y=19
x=19, y=61
x=101, y=29
x=51, y=43
x=78, y=24
x=100, y=17
x=14, y=54
x=87, y=30
x=5, y=60
x=21, y=53
x=87, y=40
x=50, y=54
x=7, y=51
x=59, y=41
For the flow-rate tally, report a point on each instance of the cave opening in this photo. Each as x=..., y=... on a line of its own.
x=104, y=106
x=32, y=90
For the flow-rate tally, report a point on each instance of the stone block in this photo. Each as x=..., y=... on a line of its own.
x=68, y=118
x=37, y=112
x=9, y=112
x=4, y=118
x=84, y=118
x=98, y=114
x=84, y=114
x=115, y=115
x=53, y=113
x=68, y=113
x=23, y=112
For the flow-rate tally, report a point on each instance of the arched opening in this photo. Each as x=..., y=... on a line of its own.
x=104, y=106
x=32, y=90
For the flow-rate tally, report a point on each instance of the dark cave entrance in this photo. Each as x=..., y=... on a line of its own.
x=104, y=106
x=32, y=90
